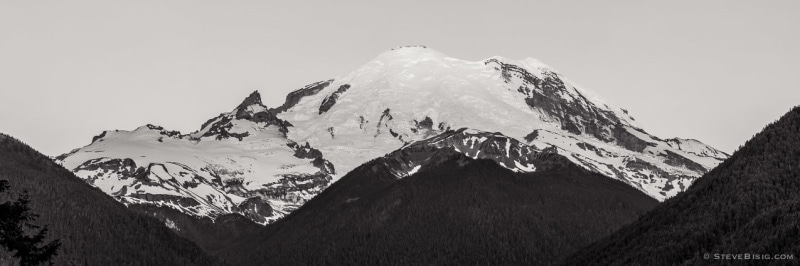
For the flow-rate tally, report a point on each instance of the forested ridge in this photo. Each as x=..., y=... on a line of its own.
x=93, y=228
x=459, y=212
x=748, y=204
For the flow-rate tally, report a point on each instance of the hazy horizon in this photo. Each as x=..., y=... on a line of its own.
x=716, y=71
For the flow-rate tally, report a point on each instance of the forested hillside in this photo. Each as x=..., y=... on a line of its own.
x=94, y=229
x=458, y=211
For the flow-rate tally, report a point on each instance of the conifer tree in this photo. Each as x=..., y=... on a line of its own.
x=15, y=220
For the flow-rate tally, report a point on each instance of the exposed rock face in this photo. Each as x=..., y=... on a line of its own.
x=307, y=152
x=294, y=97
x=255, y=209
x=546, y=92
x=162, y=131
x=95, y=138
x=678, y=160
x=329, y=101
x=126, y=167
x=630, y=141
x=532, y=136
x=250, y=109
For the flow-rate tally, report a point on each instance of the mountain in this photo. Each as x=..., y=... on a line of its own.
x=451, y=209
x=412, y=93
x=749, y=204
x=238, y=162
x=263, y=163
x=94, y=229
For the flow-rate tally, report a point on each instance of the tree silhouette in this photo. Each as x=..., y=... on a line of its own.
x=15, y=220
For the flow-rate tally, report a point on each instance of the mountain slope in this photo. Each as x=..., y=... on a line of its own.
x=94, y=229
x=412, y=93
x=238, y=162
x=452, y=210
x=748, y=204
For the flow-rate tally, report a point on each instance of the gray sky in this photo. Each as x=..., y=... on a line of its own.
x=717, y=71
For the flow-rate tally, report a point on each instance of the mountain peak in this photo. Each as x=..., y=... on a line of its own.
x=411, y=52
x=253, y=98
x=410, y=48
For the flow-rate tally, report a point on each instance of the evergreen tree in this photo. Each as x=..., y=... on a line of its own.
x=15, y=220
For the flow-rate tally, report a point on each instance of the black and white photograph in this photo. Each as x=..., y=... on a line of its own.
x=409, y=132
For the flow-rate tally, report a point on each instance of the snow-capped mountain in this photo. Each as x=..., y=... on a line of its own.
x=264, y=163
x=238, y=162
x=412, y=93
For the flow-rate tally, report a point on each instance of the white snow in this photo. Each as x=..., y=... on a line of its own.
x=171, y=225
x=414, y=83
x=414, y=170
x=523, y=168
x=259, y=159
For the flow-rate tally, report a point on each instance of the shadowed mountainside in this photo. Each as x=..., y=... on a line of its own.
x=455, y=210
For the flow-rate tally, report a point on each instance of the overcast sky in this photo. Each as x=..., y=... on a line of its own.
x=717, y=71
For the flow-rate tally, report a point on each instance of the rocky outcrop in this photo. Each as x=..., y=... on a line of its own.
x=293, y=188
x=255, y=209
x=251, y=109
x=628, y=140
x=590, y=147
x=675, y=159
x=383, y=122
x=294, y=97
x=162, y=131
x=307, y=152
x=220, y=129
x=574, y=111
x=532, y=136
x=126, y=168
x=95, y=138
x=329, y=101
